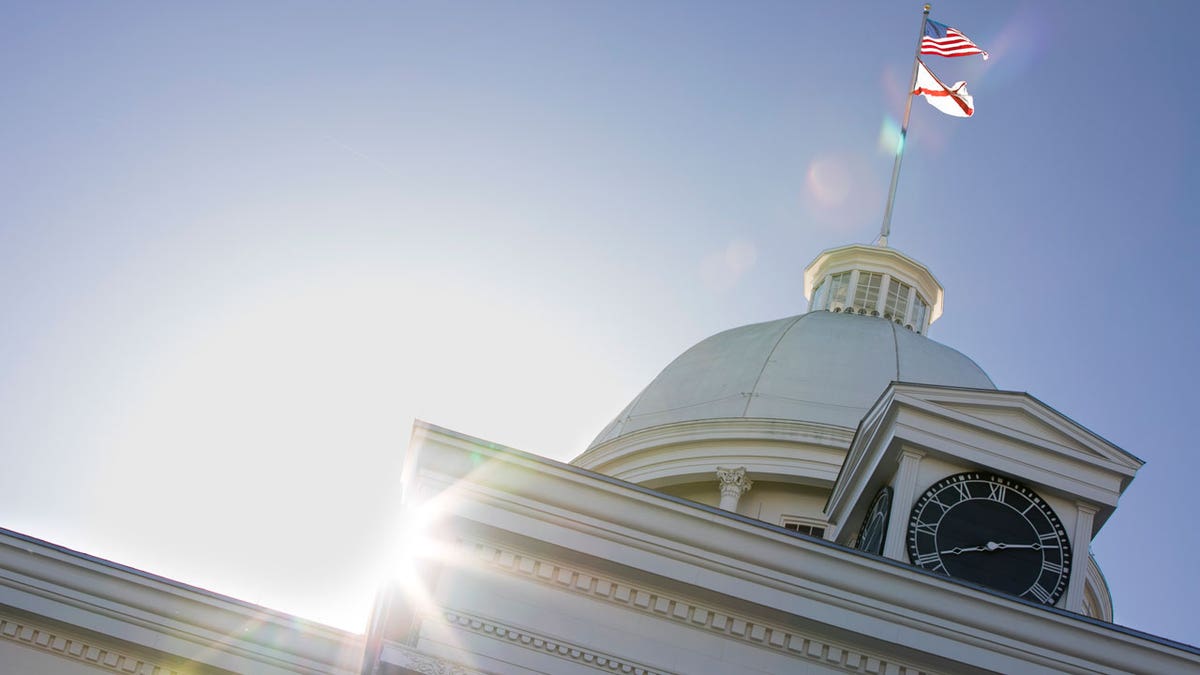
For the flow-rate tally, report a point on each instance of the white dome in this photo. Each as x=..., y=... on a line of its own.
x=822, y=367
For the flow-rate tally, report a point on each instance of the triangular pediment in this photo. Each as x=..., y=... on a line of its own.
x=1021, y=420
x=1022, y=416
x=1007, y=432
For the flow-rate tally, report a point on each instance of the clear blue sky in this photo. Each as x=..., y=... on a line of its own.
x=244, y=245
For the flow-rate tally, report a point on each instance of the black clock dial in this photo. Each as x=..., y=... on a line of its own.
x=874, y=527
x=993, y=531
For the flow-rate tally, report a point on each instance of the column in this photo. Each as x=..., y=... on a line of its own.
x=905, y=493
x=908, y=312
x=1081, y=541
x=881, y=301
x=851, y=289
x=733, y=485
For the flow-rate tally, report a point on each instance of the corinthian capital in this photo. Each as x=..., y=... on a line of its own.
x=734, y=484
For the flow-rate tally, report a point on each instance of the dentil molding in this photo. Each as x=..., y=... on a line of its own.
x=73, y=648
x=682, y=610
x=544, y=643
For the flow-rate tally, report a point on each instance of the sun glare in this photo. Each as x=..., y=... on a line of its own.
x=414, y=546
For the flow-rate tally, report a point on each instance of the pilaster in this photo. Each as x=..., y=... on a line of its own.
x=905, y=486
x=1081, y=539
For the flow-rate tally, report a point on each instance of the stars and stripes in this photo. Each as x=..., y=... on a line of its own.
x=942, y=40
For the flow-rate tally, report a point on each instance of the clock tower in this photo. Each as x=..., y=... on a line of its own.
x=992, y=488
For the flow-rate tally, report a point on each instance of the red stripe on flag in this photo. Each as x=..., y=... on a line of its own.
x=939, y=92
x=954, y=51
x=958, y=42
x=954, y=44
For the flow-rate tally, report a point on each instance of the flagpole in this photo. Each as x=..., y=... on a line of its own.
x=886, y=228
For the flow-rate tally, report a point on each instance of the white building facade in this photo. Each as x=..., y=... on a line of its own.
x=830, y=492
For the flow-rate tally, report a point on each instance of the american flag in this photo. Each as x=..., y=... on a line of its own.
x=943, y=40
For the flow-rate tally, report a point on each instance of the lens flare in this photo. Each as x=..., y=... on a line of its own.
x=829, y=181
x=890, y=141
x=843, y=190
x=723, y=269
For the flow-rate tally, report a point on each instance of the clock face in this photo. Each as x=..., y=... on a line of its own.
x=993, y=531
x=874, y=526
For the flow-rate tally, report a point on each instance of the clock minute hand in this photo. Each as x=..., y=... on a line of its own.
x=990, y=546
x=993, y=546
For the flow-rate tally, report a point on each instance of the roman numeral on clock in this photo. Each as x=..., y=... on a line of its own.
x=963, y=491
x=927, y=559
x=991, y=530
x=996, y=492
x=1040, y=593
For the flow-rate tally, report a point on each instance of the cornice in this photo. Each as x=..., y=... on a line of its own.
x=941, y=401
x=650, y=601
x=696, y=464
x=536, y=641
x=714, y=433
x=412, y=660
x=73, y=647
x=141, y=609
x=517, y=495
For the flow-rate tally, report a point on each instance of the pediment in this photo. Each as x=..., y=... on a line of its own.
x=1018, y=415
x=1021, y=420
x=1011, y=433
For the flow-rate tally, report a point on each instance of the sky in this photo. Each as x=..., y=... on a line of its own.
x=244, y=245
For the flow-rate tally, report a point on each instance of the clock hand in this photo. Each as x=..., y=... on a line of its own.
x=993, y=546
x=990, y=546
x=963, y=549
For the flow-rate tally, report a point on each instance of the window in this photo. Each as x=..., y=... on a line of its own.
x=896, y=306
x=804, y=526
x=838, y=285
x=819, y=297
x=920, y=309
x=866, y=295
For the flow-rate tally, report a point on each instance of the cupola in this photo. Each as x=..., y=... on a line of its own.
x=874, y=281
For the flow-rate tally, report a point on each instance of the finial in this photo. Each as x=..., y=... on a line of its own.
x=928, y=7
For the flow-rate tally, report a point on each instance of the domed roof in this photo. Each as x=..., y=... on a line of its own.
x=822, y=367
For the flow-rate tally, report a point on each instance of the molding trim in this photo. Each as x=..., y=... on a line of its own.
x=630, y=453
x=682, y=611
x=406, y=657
x=72, y=648
x=544, y=643
x=162, y=618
